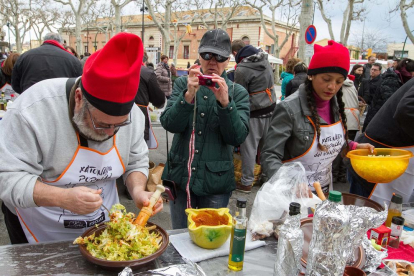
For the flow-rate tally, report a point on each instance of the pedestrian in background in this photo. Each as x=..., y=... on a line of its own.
x=72, y=50
x=300, y=74
x=188, y=65
x=357, y=71
x=367, y=67
x=205, y=175
x=6, y=75
x=50, y=60
x=405, y=69
x=350, y=99
x=173, y=73
x=287, y=76
x=164, y=76
x=236, y=46
x=85, y=58
x=255, y=74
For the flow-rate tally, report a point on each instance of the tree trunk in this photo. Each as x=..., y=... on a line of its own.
x=305, y=20
x=78, y=34
x=117, y=19
x=276, y=53
x=403, y=15
x=345, y=17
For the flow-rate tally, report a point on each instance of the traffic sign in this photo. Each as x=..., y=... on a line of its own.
x=310, y=34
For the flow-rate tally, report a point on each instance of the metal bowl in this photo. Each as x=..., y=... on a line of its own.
x=383, y=166
x=120, y=265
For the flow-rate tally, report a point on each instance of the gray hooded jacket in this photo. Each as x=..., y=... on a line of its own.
x=256, y=75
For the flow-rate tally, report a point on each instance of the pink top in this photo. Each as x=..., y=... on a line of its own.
x=324, y=111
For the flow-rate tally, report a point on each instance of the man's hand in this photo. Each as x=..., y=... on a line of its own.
x=192, y=83
x=79, y=200
x=221, y=93
x=136, y=183
x=142, y=199
x=82, y=200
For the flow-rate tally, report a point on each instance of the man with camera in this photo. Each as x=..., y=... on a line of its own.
x=208, y=115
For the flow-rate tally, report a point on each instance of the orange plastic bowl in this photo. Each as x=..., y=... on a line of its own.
x=382, y=166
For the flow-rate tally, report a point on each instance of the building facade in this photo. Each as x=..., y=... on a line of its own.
x=245, y=25
x=395, y=50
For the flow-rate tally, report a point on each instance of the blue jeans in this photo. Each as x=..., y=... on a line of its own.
x=177, y=209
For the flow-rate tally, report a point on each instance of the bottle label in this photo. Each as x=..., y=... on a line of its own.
x=239, y=241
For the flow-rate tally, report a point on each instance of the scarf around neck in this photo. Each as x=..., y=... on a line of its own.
x=57, y=44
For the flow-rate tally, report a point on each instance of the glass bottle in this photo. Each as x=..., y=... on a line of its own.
x=395, y=208
x=290, y=239
x=2, y=102
x=238, y=236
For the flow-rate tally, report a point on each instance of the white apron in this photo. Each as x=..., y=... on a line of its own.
x=317, y=163
x=404, y=185
x=89, y=168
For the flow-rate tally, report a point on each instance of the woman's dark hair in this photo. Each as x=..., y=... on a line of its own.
x=407, y=63
x=71, y=49
x=164, y=57
x=9, y=64
x=300, y=68
x=312, y=106
x=356, y=66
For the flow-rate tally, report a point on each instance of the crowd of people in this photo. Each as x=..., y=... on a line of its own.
x=53, y=184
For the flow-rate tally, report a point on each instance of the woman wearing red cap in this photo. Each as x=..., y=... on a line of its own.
x=310, y=126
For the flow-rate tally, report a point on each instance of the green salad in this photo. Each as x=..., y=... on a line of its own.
x=122, y=240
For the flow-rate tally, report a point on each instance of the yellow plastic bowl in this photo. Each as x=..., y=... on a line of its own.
x=209, y=237
x=383, y=166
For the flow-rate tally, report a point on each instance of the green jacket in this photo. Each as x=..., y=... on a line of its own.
x=217, y=131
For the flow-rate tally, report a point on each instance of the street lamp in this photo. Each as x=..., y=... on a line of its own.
x=402, y=54
x=143, y=9
x=8, y=26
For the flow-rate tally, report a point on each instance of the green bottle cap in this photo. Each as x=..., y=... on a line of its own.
x=335, y=196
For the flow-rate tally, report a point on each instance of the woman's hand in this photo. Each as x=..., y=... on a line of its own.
x=366, y=146
x=192, y=83
x=221, y=93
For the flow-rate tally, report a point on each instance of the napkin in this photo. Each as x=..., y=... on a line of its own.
x=189, y=250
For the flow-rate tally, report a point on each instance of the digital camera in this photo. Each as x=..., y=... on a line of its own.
x=206, y=80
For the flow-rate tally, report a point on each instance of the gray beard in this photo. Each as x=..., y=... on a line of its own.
x=79, y=120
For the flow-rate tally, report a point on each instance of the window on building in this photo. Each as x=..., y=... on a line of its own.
x=186, y=52
x=171, y=53
x=151, y=38
x=267, y=49
x=400, y=54
x=246, y=40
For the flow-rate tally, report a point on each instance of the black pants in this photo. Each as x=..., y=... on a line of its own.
x=13, y=225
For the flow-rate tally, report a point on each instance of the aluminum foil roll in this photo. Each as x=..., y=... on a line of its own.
x=289, y=247
x=328, y=248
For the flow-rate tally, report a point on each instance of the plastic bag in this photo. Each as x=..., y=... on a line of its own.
x=272, y=201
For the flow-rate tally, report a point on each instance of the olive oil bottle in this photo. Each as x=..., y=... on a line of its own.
x=238, y=236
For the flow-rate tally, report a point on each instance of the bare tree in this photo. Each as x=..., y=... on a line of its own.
x=17, y=13
x=373, y=38
x=183, y=19
x=221, y=11
x=354, y=11
x=43, y=18
x=65, y=22
x=291, y=13
x=403, y=6
x=118, y=5
x=80, y=8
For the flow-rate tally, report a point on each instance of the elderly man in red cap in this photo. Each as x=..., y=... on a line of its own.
x=66, y=142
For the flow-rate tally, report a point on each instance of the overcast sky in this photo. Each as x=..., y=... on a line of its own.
x=378, y=18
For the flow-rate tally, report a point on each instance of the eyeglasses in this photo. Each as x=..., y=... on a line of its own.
x=209, y=56
x=108, y=126
x=373, y=69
